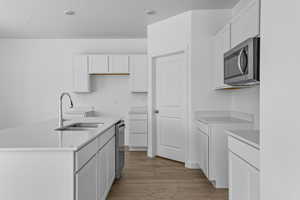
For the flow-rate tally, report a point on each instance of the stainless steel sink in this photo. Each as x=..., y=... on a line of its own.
x=81, y=126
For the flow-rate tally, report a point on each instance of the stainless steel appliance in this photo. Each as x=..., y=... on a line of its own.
x=241, y=63
x=120, y=148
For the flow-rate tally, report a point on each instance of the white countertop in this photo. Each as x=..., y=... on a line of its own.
x=221, y=120
x=42, y=136
x=249, y=136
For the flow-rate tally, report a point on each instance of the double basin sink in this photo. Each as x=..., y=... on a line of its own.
x=81, y=126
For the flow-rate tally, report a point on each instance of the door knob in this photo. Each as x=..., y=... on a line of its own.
x=156, y=111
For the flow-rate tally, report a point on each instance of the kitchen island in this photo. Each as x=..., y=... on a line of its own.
x=38, y=162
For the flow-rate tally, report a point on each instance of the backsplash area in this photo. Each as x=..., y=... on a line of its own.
x=247, y=100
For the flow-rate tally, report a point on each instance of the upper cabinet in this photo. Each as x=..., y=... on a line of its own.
x=246, y=23
x=138, y=73
x=98, y=64
x=221, y=45
x=119, y=64
x=81, y=79
x=243, y=25
x=108, y=64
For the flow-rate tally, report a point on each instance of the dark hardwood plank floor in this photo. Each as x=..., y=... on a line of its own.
x=161, y=179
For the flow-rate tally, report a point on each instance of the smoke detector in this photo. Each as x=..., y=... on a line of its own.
x=69, y=12
x=150, y=12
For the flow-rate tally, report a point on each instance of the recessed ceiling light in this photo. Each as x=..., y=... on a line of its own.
x=69, y=12
x=150, y=12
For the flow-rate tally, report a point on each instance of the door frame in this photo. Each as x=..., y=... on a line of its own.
x=152, y=128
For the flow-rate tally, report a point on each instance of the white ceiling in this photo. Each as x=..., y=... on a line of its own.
x=93, y=18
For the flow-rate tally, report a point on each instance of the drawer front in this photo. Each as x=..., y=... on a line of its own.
x=138, y=140
x=245, y=151
x=86, y=153
x=202, y=127
x=138, y=126
x=105, y=137
x=138, y=116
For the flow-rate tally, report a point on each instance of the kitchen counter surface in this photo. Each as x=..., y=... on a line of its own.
x=42, y=136
x=248, y=136
x=221, y=120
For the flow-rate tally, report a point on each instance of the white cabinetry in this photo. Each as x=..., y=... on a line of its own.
x=119, y=64
x=221, y=45
x=213, y=147
x=108, y=64
x=138, y=132
x=106, y=169
x=138, y=73
x=86, y=181
x=246, y=23
x=204, y=151
x=81, y=79
x=243, y=171
x=98, y=64
x=101, y=174
x=96, y=167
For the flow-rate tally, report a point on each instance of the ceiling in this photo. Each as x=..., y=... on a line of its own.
x=93, y=18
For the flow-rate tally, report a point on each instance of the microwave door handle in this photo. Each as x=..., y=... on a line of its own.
x=239, y=61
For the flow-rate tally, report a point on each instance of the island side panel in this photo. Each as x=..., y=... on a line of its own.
x=37, y=175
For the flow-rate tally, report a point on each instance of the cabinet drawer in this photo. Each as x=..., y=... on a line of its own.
x=138, y=117
x=105, y=137
x=245, y=151
x=137, y=126
x=138, y=140
x=202, y=127
x=84, y=154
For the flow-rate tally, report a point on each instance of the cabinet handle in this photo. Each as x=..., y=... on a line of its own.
x=156, y=111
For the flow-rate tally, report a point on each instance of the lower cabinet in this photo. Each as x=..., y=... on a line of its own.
x=243, y=179
x=138, y=132
x=204, y=151
x=86, y=181
x=106, y=169
x=95, y=178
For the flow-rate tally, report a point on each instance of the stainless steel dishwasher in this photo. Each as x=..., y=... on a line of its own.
x=120, y=148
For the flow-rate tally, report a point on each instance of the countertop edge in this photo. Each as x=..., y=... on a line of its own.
x=242, y=139
x=98, y=132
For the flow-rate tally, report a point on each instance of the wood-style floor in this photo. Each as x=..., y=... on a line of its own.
x=154, y=179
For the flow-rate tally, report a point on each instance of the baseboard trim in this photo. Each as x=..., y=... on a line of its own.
x=137, y=149
x=192, y=165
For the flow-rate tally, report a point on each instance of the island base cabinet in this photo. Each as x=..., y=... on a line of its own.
x=243, y=179
x=106, y=169
x=86, y=181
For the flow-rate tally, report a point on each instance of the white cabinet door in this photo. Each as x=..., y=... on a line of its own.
x=138, y=73
x=101, y=174
x=221, y=45
x=98, y=64
x=254, y=186
x=81, y=79
x=246, y=23
x=106, y=169
x=86, y=181
x=204, y=153
x=118, y=64
x=111, y=162
x=243, y=179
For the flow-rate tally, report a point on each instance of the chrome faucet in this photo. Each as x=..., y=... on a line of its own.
x=60, y=116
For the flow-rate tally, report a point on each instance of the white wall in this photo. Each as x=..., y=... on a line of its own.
x=33, y=72
x=279, y=100
x=246, y=100
x=204, y=24
x=192, y=31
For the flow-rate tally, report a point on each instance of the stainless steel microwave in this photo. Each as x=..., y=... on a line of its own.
x=241, y=63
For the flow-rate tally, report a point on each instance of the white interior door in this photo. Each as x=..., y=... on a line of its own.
x=170, y=101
